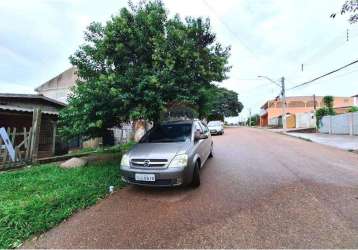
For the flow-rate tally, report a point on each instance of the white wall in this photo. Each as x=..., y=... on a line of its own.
x=232, y=119
x=343, y=124
x=305, y=120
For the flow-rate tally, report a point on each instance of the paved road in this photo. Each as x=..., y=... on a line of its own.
x=261, y=190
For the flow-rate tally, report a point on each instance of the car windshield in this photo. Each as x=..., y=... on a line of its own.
x=168, y=133
x=214, y=123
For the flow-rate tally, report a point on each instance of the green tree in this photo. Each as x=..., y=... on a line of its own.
x=215, y=117
x=220, y=101
x=349, y=7
x=328, y=101
x=353, y=109
x=136, y=64
x=326, y=110
x=255, y=120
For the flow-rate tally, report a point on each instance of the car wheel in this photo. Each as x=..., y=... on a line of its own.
x=211, y=155
x=196, y=176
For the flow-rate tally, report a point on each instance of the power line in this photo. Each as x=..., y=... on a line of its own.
x=233, y=33
x=319, y=77
x=329, y=48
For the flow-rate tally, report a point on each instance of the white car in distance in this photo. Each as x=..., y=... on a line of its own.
x=216, y=127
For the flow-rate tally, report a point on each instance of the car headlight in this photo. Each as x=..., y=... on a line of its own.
x=125, y=160
x=179, y=161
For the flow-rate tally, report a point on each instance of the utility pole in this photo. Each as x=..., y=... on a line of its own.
x=283, y=99
x=314, y=102
x=283, y=93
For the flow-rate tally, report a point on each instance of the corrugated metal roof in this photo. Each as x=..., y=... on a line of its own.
x=20, y=109
x=32, y=96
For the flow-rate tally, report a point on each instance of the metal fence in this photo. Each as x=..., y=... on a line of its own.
x=344, y=124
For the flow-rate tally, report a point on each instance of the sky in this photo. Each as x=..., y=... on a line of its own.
x=272, y=38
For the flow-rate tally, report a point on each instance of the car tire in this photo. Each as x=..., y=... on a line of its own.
x=196, y=176
x=211, y=155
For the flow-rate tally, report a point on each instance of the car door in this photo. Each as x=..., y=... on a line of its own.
x=200, y=144
x=206, y=142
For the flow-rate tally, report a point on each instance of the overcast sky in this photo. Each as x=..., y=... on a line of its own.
x=268, y=37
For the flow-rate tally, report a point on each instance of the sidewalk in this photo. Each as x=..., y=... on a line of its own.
x=345, y=142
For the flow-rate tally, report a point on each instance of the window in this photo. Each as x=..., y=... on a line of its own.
x=168, y=133
x=198, y=127
x=214, y=123
x=204, y=127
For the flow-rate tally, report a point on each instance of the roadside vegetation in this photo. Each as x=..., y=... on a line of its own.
x=326, y=110
x=353, y=109
x=103, y=150
x=37, y=198
x=255, y=120
x=140, y=62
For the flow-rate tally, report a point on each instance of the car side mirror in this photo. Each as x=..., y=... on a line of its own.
x=199, y=136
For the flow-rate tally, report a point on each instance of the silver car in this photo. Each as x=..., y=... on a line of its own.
x=170, y=154
x=216, y=127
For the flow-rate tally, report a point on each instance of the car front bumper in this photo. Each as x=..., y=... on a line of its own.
x=215, y=131
x=167, y=177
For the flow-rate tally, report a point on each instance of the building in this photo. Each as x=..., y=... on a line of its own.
x=16, y=114
x=355, y=100
x=59, y=87
x=272, y=109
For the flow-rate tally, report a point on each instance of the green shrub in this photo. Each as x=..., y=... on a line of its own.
x=353, y=109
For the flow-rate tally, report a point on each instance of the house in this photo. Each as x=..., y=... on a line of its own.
x=59, y=87
x=355, y=100
x=16, y=113
x=300, y=105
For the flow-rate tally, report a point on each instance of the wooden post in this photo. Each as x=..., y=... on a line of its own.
x=36, y=124
x=54, y=127
x=28, y=148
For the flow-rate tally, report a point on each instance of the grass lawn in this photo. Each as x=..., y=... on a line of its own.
x=36, y=199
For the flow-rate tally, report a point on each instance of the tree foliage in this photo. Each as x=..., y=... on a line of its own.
x=353, y=109
x=136, y=64
x=326, y=110
x=349, y=7
x=220, y=101
x=255, y=120
x=328, y=101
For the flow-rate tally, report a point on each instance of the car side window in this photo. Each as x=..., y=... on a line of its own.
x=205, y=128
x=198, y=127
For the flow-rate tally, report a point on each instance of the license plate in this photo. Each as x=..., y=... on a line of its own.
x=144, y=177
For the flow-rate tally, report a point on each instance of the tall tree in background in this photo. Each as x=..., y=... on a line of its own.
x=326, y=110
x=136, y=64
x=349, y=7
x=226, y=102
x=220, y=101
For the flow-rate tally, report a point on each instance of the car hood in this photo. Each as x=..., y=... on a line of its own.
x=158, y=150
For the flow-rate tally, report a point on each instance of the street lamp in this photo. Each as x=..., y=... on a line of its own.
x=283, y=94
x=268, y=78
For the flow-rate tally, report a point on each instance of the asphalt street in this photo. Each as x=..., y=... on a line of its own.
x=261, y=190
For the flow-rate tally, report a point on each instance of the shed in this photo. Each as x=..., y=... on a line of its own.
x=16, y=114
